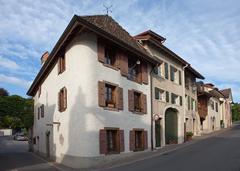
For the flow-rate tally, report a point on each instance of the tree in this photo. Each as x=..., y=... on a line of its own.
x=16, y=112
x=236, y=112
x=3, y=92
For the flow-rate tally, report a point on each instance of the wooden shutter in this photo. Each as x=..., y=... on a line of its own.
x=63, y=63
x=180, y=77
x=117, y=59
x=119, y=100
x=103, y=141
x=156, y=93
x=123, y=64
x=144, y=69
x=121, y=137
x=59, y=65
x=131, y=100
x=167, y=96
x=101, y=51
x=145, y=140
x=42, y=111
x=132, y=140
x=64, y=98
x=166, y=70
x=101, y=94
x=143, y=103
x=38, y=112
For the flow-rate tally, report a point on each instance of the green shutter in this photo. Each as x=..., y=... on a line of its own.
x=171, y=73
x=192, y=104
x=167, y=96
x=180, y=100
x=156, y=93
x=166, y=70
x=180, y=77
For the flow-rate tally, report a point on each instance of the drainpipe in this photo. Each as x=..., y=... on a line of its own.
x=184, y=100
x=151, y=96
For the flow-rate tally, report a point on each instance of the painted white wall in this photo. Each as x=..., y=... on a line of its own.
x=83, y=118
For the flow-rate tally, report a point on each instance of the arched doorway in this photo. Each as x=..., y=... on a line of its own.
x=171, y=126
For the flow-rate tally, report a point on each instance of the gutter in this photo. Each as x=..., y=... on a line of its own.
x=151, y=96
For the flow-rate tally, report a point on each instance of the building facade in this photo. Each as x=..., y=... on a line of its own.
x=168, y=88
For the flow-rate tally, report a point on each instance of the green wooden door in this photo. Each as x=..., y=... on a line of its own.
x=171, y=126
x=158, y=133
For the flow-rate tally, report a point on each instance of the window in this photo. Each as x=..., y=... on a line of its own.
x=212, y=104
x=180, y=77
x=139, y=140
x=62, y=99
x=38, y=114
x=112, y=141
x=134, y=70
x=167, y=96
x=61, y=64
x=189, y=103
x=137, y=102
x=216, y=107
x=180, y=101
x=192, y=103
x=159, y=94
x=187, y=83
x=159, y=70
x=173, y=74
x=42, y=110
x=110, y=95
x=166, y=70
x=174, y=98
x=110, y=57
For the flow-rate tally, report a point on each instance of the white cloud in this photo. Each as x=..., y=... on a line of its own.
x=14, y=81
x=9, y=64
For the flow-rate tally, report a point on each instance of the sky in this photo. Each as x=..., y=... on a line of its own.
x=203, y=32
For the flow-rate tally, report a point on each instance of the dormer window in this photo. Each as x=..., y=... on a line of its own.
x=61, y=64
x=134, y=70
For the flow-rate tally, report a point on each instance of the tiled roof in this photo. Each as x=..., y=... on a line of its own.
x=109, y=25
x=226, y=92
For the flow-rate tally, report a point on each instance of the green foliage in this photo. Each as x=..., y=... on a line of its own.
x=16, y=112
x=236, y=112
x=3, y=92
x=189, y=134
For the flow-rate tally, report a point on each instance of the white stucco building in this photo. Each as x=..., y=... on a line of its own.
x=92, y=94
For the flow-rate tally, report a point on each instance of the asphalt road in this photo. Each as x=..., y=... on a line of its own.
x=218, y=153
x=14, y=156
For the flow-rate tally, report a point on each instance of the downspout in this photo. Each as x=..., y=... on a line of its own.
x=151, y=96
x=184, y=100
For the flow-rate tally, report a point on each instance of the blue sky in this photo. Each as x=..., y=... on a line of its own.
x=204, y=32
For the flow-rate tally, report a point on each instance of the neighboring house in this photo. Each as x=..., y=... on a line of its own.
x=226, y=107
x=192, y=117
x=92, y=94
x=168, y=89
x=209, y=107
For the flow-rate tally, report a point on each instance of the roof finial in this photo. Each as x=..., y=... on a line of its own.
x=107, y=8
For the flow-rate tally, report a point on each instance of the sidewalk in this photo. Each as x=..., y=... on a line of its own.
x=129, y=158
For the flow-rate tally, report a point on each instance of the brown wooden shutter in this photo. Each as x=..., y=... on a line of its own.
x=63, y=63
x=119, y=100
x=143, y=103
x=144, y=69
x=117, y=59
x=101, y=51
x=131, y=100
x=132, y=140
x=101, y=94
x=121, y=136
x=64, y=98
x=145, y=140
x=59, y=101
x=102, y=141
x=123, y=64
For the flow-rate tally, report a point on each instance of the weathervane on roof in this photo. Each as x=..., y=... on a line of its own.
x=107, y=8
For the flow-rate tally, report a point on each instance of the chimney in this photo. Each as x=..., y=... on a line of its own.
x=44, y=57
